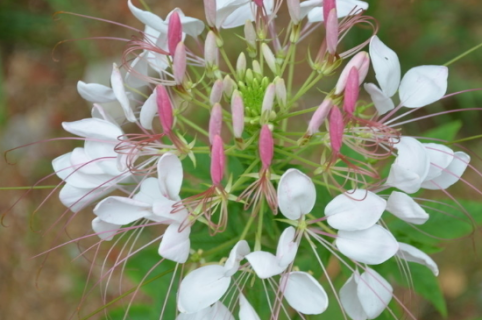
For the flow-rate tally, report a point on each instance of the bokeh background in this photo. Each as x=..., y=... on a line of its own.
x=38, y=91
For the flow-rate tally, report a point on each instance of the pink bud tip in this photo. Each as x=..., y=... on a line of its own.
x=237, y=112
x=164, y=109
x=351, y=91
x=179, y=65
x=336, y=128
x=319, y=116
x=215, y=122
x=217, y=92
x=361, y=61
x=332, y=32
x=174, y=32
x=217, y=160
x=266, y=146
x=328, y=5
x=259, y=3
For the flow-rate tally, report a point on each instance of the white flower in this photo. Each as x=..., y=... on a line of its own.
x=234, y=13
x=206, y=285
x=366, y=296
x=405, y=208
x=419, y=87
x=217, y=311
x=296, y=194
x=410, y=253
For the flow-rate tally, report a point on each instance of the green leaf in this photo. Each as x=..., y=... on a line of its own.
x=446, y=132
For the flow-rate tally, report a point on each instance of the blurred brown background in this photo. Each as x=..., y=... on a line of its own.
x=38, y=92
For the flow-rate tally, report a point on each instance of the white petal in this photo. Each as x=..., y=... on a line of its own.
x=307, y=6
x=382, y=102
x=78, y=198
x=287, y=247
x=120, y=93
x=148, y=18
x=410, y=167
x=225, y=8
x=95, y=92
x=423, y=85
x=81, y=162
x=121, y=210
x=220, y=312
x=93, y=129
x=149, y=191
x=264, y=264
x=138, y=68
x=371, y=246
x=343, y=8
x=296, y=194
x=104, y=156
x=440, y=157
x=162, y=209
x=170, y=175
x=303, y=293
x=355, y=210
x=246, y=311
x=106, y=231
x=349, y=298
x=148, y=111
x=239, y=251
x=175, y=244
x=374, y=293
x=405, y=208
x=201, y=288
x=99, y=112
x=238, y=17
x=410, y=253
x=451, y=174
x=386, y=65
x=62, y=166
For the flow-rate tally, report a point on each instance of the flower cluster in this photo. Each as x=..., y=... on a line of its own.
x=177, y=71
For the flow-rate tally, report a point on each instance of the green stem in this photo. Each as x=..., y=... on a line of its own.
x=460, y=56
x=293, y=156
x=259, y=233
x=247, y=227
x=228, y=63
x=296, y=113
x=193, y=125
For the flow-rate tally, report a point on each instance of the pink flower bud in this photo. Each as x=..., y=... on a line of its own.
x=259, y=3
x=294, y=10
x=217, y=92
x=266, y=146
x=361, y=61
x=179, y=65
x=215, y=122
x=319, y=116
x=336, y=128
x=332, y=31
x=328, y=5
x=269, y=58
x=210, y=11
x=211, y=50
x=164, y=109
x=351, y=91
x=268, y=99
x=229, y=85
x=241, y=65
x=217, y=161
x=237, y=113
x=174, y=32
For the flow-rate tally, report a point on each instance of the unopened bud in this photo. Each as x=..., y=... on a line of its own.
x=174, y=32
x=249, y=76
x=361, y=61
x=352, y=90
x=294, y=10
x=269, y=58
x=332, y=31
x=210, y=11
x=229, y=86
x=250, y=36
x=215, y=122
x=241, y=65
x=256, y=67
x=259, y=3
x=328, y=5
x=217, y=92
x=266, y=146
x=237, y=113
x=319, y=116
x=164, y=109
x=217, y=160
x=211, y=50
x=267, y=105
x=179, y=65
x=336, y=128
x=280, y=91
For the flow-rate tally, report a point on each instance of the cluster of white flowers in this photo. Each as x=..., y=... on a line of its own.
x=165, y=78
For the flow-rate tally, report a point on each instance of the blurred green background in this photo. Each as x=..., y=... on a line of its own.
x=38, y=92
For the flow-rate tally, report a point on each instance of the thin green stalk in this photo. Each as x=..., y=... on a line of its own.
x=297, y=113
x=293, y=156
x=259, y=232
x=460, y=56
x=193, y=125
x=247, y=227
x=228, y=63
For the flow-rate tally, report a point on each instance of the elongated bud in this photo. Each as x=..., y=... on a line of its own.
x=361, y=61
x=336, y=128
x=229, y=86
x=215, y=122
x=250, y=36
x=266, y=146
x=319, y=116
x=332, y=31
x=280, y=91
x=241, y=65
x=256, y=67
x=328, y=5
x=217, y=161
x=269, y=57
x=210, y=11
x=217, y=92
x=268, y=99
x=351, y=91
x=237, y=113
x=179, y=65
x=294, y=10
x=164, y=109
x=174, y=32
x=211, y=50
